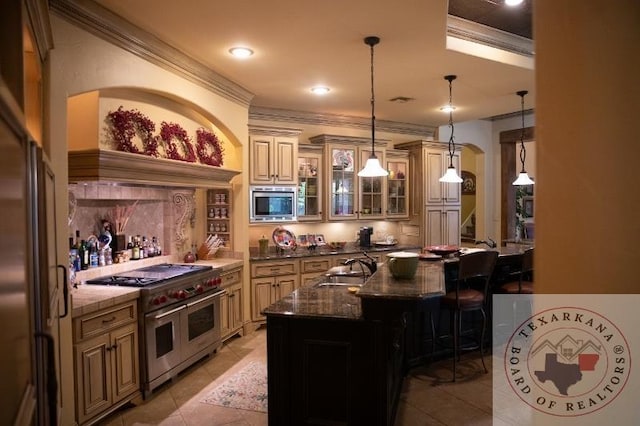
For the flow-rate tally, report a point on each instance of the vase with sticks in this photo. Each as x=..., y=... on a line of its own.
x=119, y=217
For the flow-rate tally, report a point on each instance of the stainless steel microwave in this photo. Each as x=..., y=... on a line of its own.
x=272, y=203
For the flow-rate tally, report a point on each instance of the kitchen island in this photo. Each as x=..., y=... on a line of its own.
x=336, y=357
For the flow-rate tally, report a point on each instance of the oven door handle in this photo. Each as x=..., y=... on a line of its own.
x=204, y=299
x=171, y=312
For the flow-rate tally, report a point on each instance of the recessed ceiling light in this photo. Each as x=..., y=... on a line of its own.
x=447, y=108
x=320, y=90
x=513, y=2
x=241, y=52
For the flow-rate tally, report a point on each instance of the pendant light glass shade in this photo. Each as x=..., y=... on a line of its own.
x=373, y=167
x=451, y=176
x=523, y=177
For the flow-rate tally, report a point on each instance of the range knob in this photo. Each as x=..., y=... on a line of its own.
x=180, y=294
x=211, y=282
x=199, y=288
x=217, y=280
x=159, y=300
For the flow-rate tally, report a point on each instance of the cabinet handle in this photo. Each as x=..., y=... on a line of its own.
x=112, y=319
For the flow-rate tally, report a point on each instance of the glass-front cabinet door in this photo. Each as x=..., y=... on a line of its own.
x=371, y=189
x=342, y=183
x=397, y=185
x=309, y=186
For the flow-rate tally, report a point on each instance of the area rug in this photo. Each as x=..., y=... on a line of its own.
x=246, y=390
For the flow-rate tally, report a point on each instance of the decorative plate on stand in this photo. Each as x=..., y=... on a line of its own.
x=284, y=238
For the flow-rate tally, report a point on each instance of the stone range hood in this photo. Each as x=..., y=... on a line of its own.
x=116, y=166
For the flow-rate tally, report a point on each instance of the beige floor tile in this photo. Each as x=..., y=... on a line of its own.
x=196, y=413
x=429, y=397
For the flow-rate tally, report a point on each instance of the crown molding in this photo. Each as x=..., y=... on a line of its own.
x=38, y=15
x=322, y=119
x=112, y=28
x=482, y=34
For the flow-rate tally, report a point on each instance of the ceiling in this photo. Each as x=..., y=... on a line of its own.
x=299, y=44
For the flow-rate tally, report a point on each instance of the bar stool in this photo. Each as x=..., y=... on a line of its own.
x=524, y=283
x=477, y=268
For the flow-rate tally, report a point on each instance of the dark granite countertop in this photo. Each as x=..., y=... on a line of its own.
x=428, y=282
x=301, y=252
x=337, y=302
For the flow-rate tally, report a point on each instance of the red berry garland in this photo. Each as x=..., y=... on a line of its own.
x=204, y=138
x=171, y=131
x=125, y=124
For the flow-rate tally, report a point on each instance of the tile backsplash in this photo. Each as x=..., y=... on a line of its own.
x=152, y=215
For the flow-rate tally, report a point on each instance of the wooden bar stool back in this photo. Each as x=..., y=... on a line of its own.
x=524, y=283
x=476, y=268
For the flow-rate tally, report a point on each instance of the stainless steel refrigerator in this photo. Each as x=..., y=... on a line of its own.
x=33, y=291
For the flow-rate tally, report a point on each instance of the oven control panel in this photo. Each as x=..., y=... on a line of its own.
x=164, y=297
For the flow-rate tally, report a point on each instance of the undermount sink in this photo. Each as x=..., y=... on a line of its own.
x=344, y=278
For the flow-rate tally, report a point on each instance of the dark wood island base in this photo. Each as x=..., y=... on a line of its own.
x=336, y=358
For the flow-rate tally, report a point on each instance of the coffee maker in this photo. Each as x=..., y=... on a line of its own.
x=365, y=236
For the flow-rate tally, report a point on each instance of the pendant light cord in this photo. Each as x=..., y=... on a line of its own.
x=523, y=152
x=372, y=41
x=452, y=144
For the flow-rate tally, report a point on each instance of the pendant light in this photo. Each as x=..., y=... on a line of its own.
x=373, y=167
x=523, y=177
x=451, y=176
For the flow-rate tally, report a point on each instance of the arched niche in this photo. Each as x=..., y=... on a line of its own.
x=87, y=112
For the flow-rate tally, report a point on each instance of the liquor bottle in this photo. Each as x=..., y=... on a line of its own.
x=93, y=255
x=158, y=247
x=130, y=243
x=73, y=254
x=136, y=250
x=144, y=248
x=84, y=255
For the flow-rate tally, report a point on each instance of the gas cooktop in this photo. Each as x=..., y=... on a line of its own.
x=149, y=275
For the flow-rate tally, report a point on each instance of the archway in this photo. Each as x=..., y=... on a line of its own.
x=508, y=143
x=473, y=212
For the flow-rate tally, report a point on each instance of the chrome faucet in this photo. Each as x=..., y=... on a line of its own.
x=490, y=243
x=371, y=264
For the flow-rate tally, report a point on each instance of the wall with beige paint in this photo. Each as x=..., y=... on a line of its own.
x=587, y=105
x=83, y=63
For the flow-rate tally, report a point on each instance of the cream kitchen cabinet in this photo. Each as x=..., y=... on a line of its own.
x=273, y=156
x=107, y=370
x=311, y=268
x=350, y=197
x=270, y=281
x=397, y=184
x=437, y=162
x=231, y=311
x=442, y=225
x=434, y=206
x=310, y=184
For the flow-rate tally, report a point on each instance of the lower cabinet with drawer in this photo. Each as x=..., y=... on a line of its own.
x=231, y=312
x=270, y=281
x=107, y=370
x=312, y=267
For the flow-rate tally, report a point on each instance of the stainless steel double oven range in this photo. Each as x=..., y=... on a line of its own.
x=179, y=319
